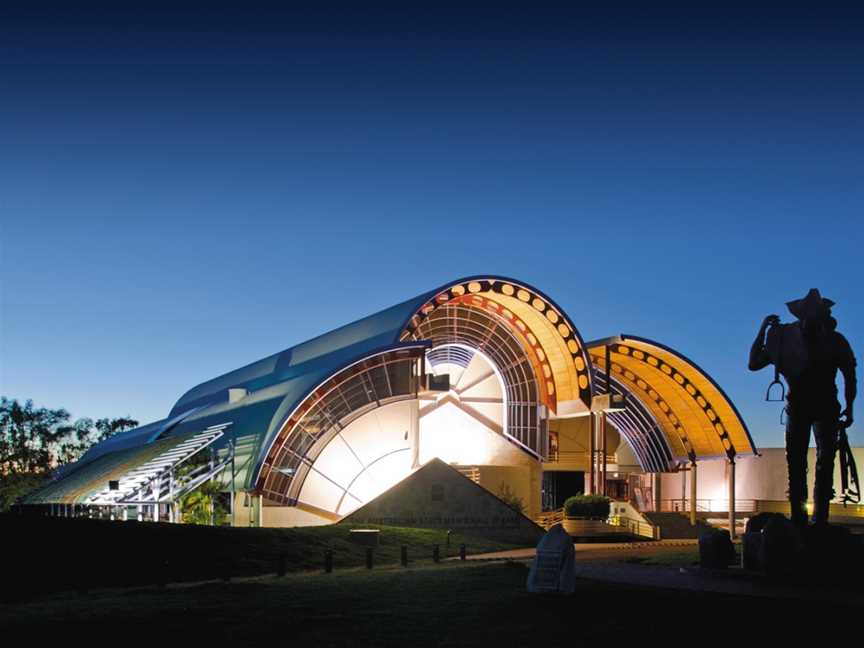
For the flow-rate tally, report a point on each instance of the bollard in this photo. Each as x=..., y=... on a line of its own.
x=436, y=554
x=226, y=570
x=368, y=557
x=162, y=576
x=462, y=552
x=328, y=561
x=448, y=537
x=280, y=565
x=404, y=556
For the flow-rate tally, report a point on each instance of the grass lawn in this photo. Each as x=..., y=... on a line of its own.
x=44, y=555
x=688, y=557
x=457, y=604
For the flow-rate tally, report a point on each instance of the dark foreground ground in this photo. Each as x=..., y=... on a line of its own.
x=461, y=604
x=43, y=555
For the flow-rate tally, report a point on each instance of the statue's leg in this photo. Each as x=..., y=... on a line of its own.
x=797, y=440
x=825, y=430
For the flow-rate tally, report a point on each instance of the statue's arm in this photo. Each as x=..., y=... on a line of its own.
x=759, y=357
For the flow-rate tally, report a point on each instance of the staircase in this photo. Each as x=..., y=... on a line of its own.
x=548, y=519
x=675, y=526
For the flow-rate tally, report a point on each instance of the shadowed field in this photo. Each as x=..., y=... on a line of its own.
x=457, y=604
x=44, y=555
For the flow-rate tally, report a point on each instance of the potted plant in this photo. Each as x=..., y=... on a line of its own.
x=586, y=515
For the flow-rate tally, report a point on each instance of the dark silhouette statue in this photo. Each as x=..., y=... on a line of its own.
x=808, y=354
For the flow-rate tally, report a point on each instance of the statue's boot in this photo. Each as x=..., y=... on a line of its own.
x=799, y=514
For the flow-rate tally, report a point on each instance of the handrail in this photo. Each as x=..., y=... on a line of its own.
x=565, y=456
x=636, y=527
x=713, y=505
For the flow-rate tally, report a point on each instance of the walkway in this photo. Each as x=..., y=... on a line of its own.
x=596, y=550
x=607, y=562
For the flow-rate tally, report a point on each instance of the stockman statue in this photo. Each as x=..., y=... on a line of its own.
x=808, y=354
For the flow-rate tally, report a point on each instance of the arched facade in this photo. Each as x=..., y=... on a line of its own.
x=686, y=413
x=324, y=426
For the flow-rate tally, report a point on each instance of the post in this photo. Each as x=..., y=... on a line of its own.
x=658, y=494
x=233, y=477
x=589, y=487
x=693, y=493
x=414, y=431
x=260, y=511
x=732, y=497
x=602, y=416
x=328, y=561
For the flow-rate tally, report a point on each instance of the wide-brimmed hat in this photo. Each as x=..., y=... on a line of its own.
x=813, y=305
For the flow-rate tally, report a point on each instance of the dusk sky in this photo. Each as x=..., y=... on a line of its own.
x=185, y=191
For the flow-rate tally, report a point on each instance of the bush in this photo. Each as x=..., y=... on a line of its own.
x=510, y=498
x=587, y=506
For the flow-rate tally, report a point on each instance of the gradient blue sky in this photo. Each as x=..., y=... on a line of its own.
x=185, y=191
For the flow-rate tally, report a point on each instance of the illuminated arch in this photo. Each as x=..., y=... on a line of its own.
x=696, y=417
x=535, y=346
x=544, y=329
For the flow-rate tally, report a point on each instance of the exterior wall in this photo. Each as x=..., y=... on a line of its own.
x=291, y=516
x=756, y=478
x=524, y=482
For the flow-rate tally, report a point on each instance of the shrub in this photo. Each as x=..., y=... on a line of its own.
x=510, y=498
x=587, y=506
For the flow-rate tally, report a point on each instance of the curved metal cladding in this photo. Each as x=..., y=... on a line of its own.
x=278, y=384
x=696, y=417
x=639, y=427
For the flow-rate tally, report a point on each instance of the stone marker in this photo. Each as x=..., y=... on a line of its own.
x=781, y=547
x=715, y=549
x=751, y=542
x=554, y=567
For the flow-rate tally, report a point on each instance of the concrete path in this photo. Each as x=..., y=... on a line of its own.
x=606, y=562
x=595, y=550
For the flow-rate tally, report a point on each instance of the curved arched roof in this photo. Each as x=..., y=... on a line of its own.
x=696, y=417
x=277, y=384
x=537, y=317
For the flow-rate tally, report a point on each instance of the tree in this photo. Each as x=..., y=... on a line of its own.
x=35, y=440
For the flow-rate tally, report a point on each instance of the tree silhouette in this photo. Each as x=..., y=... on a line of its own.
x=35, y=440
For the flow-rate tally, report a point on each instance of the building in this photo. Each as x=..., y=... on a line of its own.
x=486, y=373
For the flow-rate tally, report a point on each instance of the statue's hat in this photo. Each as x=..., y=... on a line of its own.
x=812, y=305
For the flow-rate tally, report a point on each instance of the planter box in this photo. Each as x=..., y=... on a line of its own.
x=582, y=527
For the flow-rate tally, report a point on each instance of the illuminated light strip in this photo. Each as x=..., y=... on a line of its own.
x=653, y=395
x=689, y=388
x=559, y=322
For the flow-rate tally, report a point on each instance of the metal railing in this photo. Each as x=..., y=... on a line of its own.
x=635, y=527
x=753, y=506
x=716, y=505
x=574, y=456
x=472, y=473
